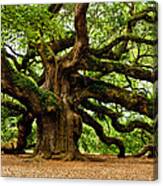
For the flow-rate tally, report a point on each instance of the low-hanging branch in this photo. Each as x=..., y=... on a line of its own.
x=108, y=93
x=25, y=89
x=100, y=109
x=94, y=64
x=100, y=133
x=132, y=125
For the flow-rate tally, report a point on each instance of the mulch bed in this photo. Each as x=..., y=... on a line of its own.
x=100, y=167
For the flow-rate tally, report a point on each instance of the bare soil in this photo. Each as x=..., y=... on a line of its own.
x=100, y=167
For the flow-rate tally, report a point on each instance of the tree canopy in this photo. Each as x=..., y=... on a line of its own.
x=84, y=74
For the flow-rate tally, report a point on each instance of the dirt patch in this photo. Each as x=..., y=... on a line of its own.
x=101, y=167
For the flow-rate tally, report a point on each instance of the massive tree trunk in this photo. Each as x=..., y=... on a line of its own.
x=58, y=132
x=60, y=100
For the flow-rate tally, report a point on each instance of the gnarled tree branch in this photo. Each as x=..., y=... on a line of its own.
x=99, y=131
x=24, y=89
x=106, y=92
x=132, y=125
x=62, y=44
x=143, y=16
x=136, y=72
x=151, y=149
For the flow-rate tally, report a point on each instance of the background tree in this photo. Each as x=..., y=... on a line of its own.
x=67, y=67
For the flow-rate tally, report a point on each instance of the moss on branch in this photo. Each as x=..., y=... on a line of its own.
x=27, y=89
x=135, y=71
x=108, y=93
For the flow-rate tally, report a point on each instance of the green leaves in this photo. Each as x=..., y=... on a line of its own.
x=32, y=21
x=24, y=26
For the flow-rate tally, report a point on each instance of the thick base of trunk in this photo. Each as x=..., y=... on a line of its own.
x=58, y=135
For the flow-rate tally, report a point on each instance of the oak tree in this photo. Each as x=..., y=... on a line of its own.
x=71, y=64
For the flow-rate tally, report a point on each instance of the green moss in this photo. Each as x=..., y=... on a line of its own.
x=20, y=80
x=47, y=99
x=24, y=82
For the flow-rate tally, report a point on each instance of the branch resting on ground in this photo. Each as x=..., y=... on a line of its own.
x=100, y=133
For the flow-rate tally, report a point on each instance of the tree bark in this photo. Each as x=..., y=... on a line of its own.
x=58, y=134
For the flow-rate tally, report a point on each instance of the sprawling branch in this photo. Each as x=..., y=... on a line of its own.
x=99, y=131
x=132, y=125
x=136, y=72
x=24, y=89
x=107, y=51
x=100, y=109
x=101, y=52
x=107, y=92
x=12, y=87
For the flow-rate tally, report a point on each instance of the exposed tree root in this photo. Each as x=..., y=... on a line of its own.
x=36, y=158
x=70, y=156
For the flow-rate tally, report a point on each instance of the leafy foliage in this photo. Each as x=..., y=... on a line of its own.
x=26, y=27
